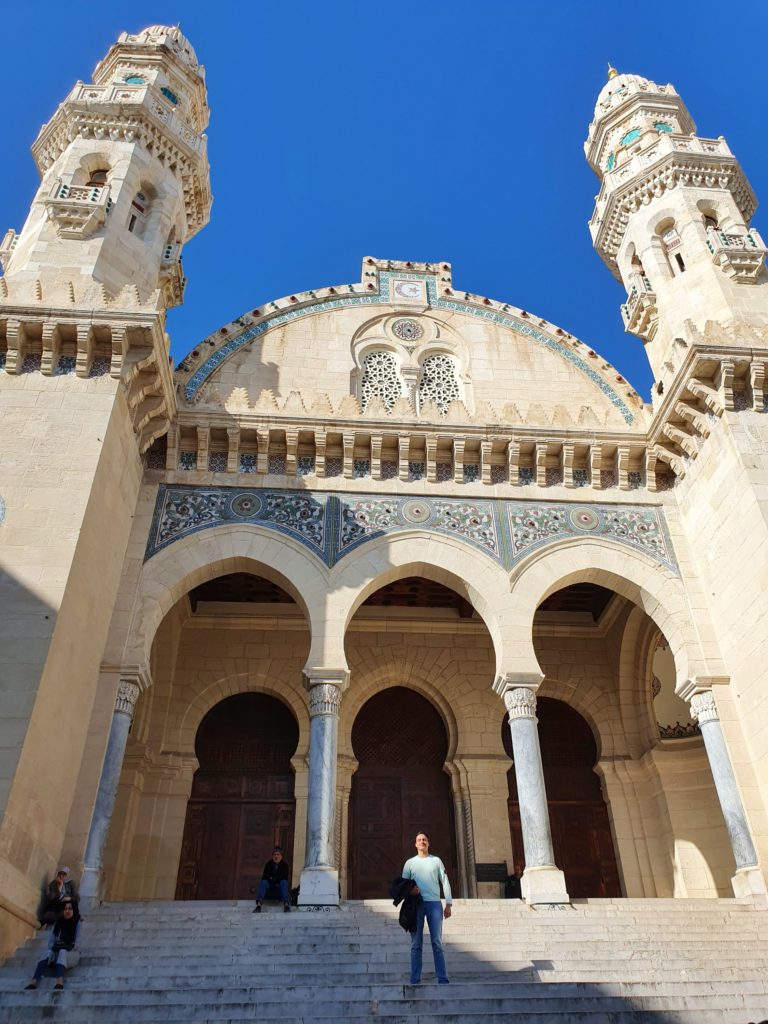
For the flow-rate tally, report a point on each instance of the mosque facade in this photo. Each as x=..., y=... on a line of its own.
x=381, y=556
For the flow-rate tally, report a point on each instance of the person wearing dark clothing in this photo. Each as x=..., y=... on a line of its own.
x=405, y=891
x=275, y=874
x=60, y=891
x=62, y=953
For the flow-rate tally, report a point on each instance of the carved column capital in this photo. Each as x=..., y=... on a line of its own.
x=127, y=694
x=520, y=703
x=324, y=699
x=703, y=707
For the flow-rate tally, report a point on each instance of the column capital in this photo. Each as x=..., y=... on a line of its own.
x=127, y=694
x=324, y=699
x=703, y=707
x=506, y=681
x=520, y=703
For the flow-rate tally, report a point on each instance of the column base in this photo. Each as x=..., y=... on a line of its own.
x=319, y=887
x=750, y=882
x=544, y=885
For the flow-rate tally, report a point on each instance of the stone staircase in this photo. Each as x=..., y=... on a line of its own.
x=597, y=962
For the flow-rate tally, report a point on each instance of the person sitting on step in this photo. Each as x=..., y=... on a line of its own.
x=274, y=876
x=62, y=953
x=59, y=891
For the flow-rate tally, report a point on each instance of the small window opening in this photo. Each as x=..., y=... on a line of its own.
x=98, y=178
x=680, y=262
x=710, y=222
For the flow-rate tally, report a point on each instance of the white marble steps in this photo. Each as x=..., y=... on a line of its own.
x=603, y=962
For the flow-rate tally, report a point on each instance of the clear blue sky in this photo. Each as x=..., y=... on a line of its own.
x=447, y=130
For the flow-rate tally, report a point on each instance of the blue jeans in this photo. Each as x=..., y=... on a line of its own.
x=285, y=892
x=432, y=910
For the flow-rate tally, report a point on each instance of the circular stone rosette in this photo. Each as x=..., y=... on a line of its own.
x=407, y=330
x=245, y=506
x=585, y=520
x=416, y=512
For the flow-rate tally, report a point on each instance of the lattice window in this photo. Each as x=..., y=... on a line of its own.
x=438, y=381
x=380, y=379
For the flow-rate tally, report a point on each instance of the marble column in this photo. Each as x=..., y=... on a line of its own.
x=748, y=880
x=319, y=883
x=128, y=691
x=542, y=881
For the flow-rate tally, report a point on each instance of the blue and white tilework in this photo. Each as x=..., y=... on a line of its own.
x=333, y=525
x=204, y=371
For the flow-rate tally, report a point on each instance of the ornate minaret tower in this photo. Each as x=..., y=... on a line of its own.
x=85, y=387
x=672, y=220
x=124, y=179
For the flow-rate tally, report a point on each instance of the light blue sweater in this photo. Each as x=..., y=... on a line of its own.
x=428, y=872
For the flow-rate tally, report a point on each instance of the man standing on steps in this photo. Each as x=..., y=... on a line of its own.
x=275, y=874
x=428, y=872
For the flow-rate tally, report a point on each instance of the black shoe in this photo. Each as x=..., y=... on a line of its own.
x=257, y=909
x=286, y=908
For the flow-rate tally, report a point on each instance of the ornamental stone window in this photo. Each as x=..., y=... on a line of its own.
x=438, y=382
x=381, y=379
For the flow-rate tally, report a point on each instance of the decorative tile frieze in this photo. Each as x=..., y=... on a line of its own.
x=333, y=525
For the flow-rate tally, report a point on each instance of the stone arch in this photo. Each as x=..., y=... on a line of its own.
x=602, y=716
x=647, y=584
x=453, y=563
x=383, y=679
x=195, y=559
x=289, y=692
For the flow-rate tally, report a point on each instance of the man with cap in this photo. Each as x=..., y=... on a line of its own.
x=60, y=892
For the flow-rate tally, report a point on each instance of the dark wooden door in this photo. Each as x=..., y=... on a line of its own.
x=398, y=789
x=242, y=803
x=581, y=831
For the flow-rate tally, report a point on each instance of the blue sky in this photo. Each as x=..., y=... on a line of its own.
x=423, y=131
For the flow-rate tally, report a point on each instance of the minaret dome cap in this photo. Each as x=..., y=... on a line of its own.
x=164, y=35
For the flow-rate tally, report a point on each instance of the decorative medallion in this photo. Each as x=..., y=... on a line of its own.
x=585, y=519
x=246, y=505
x=407, y=330
x=416, y=512
x=331, y=526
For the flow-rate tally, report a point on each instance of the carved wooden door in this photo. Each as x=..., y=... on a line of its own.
x=581, y=831
x=242, y=803
x=398, y=789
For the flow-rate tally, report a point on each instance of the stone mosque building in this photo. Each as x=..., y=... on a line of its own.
x=378, y=556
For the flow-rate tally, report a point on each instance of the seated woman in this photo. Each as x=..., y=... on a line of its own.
x=61, y=890
x=62, y=953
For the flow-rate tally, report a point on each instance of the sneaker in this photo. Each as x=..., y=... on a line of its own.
x=257, y=909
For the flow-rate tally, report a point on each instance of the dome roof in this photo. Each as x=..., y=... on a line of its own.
x=620, y=86
x=164, y=35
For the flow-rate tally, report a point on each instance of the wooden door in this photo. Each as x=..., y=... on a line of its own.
x=399, y=789
x=581, y=831
x=242, y=803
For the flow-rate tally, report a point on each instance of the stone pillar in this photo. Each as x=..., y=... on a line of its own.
x=320, y=877
x=128, y=691
x=542, y=881
x=748, y=880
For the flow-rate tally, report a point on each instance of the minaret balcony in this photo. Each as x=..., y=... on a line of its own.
x=7, y=246
x=640, y=312
x=740, y=256
x=78, y=210
x=172, y=280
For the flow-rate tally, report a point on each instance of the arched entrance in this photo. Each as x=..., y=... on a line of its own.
x=242, y=802
x=581, y=832
x=399, y=787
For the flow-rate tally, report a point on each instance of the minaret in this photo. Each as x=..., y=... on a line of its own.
x=86, y=386
x=672, y=220
x=124, y=182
